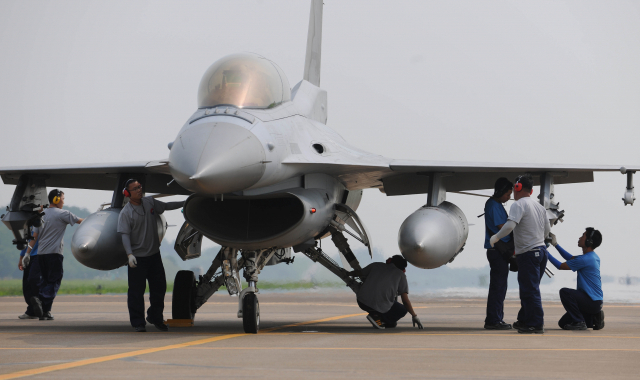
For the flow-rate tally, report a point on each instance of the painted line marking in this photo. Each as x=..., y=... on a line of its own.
x=417, y=349
x=102, y=359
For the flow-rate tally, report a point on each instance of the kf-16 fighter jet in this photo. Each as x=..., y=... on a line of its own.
x=266, y=176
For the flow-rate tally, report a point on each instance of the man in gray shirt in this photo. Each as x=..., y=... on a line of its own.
x=530, y=225
x=48, y=266
x=378, y=294
x=138, y=226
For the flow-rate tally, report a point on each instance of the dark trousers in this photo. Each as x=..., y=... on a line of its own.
x=30, y=289
x=497, y=287
x=579, y=306
x=47, y=273
x=391, y=317
x=531, y=266
x=150, y=269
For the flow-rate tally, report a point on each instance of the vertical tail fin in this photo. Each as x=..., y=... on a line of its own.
x=314, y=44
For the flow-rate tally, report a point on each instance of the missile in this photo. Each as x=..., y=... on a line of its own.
x=433, y=236
x=97, y=244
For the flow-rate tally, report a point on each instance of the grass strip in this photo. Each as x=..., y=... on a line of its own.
x=96, y=286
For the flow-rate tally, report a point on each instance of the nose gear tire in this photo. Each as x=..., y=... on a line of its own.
x=250, y=314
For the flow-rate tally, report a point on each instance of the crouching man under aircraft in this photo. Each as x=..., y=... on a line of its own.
x=378, y=294
x=138, y=227
x=530, y=225
x=584, y=304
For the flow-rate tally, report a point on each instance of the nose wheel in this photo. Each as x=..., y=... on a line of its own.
x=250, y=313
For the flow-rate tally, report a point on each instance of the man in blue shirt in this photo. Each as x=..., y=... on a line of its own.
x=495, y=216
x=29, y=286
x=584, y=304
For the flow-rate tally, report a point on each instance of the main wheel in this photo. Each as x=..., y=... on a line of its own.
x=184, y=295
x=251, y=314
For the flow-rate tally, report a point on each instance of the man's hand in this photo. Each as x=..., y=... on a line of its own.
x=132, y=261
x=415, y=321
x=494, y=239
x=552, y=239
x=25, y=260
x=20, y=264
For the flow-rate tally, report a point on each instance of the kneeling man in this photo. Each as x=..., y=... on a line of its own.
x=378, y=294
x=584, y=304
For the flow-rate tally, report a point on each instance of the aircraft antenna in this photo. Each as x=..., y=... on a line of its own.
x=314, y=44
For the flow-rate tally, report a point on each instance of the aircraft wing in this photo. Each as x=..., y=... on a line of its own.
x=102, y=176
x=404, y=177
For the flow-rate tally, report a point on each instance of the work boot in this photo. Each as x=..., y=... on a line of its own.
x=518, y=325
x=498, y=326
x=376, y=321
x=36, y=305
x=27, y=316
x=531, y=330
x=159, y=325
x=47, y=316
x=575, y=326
x=598, y=320
x=140, y=328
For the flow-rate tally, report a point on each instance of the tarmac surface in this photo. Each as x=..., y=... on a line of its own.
x=315, y=335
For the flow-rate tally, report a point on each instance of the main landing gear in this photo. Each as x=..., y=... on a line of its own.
x=189, y=294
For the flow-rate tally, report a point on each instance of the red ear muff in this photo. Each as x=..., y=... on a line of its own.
x=517, y=187
x=126, y=192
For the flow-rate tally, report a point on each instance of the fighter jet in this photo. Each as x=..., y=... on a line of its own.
x=266, y=176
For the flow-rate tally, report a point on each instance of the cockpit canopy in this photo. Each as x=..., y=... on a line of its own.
x=244, y=80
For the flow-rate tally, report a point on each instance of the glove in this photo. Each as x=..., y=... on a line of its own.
x=552, y=239
x=132, y=261
x=415, y=321
x=25, y=260
x=494, y=239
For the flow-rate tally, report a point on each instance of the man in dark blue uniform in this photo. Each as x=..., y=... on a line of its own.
x=584, y=304
x=495, y=216
x=29, y=287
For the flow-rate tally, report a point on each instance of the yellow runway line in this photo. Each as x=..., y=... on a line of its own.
x=416, y=349
x=80, y=363
x=102, y=359
x=310, y=322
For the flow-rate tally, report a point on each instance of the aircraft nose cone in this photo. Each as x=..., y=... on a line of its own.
x=216, y=158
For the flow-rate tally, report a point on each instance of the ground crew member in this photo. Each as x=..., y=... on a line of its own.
x=530, y=225
x=495, y=216
x=28, y=289
x=378, y=294
x=584, y=304
x=49, y=237
x=137, y=225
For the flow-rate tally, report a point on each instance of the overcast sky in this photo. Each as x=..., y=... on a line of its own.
x=502, y=81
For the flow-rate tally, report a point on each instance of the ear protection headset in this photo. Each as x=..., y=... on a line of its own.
x=518, y=186
x=125, y=191
x=589, y=240
x=56, y=198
